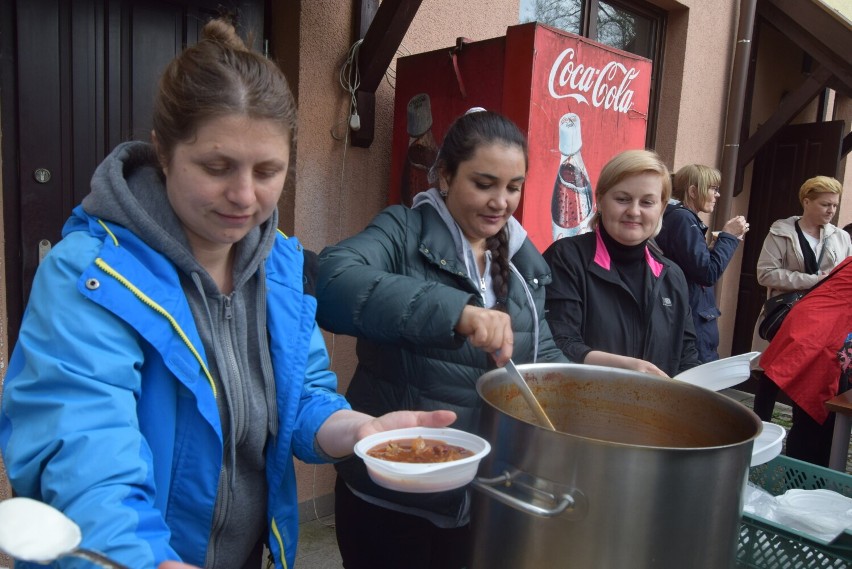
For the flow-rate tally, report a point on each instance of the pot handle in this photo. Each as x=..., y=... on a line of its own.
x=490, y=486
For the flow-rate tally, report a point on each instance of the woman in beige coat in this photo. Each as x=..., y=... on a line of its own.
x=798, y=252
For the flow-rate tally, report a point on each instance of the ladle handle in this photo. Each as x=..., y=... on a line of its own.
x=97, y=559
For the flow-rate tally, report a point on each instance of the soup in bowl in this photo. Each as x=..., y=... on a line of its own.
x=422, y=459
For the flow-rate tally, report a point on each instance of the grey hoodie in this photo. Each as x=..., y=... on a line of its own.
x=128, y=189
x=517, y=236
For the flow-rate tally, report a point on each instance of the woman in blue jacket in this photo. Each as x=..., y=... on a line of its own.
x=614, y=302
x=683, y=239
x=169, y=366
x=435, y=294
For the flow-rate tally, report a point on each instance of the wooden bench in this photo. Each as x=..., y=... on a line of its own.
x=841, y=405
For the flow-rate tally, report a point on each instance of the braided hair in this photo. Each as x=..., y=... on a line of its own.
x=466, y=134
x=498, y=245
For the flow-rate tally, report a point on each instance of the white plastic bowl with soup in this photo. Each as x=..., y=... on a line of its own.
x=422, y=459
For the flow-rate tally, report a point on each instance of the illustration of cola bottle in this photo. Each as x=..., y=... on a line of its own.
x=572, y=204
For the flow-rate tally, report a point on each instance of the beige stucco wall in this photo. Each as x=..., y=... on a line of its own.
x=696, y=77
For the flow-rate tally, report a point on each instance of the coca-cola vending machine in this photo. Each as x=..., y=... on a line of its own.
x=579, y=103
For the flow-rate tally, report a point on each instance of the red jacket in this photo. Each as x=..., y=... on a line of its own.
x=802, y=357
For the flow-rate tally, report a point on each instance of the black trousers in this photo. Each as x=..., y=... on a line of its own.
x=811, y=441
x=372, y=537
x=255, y=559
x=765, y=395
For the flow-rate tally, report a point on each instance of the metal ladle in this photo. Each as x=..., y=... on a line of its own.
x=528, y=395
x=36, y=532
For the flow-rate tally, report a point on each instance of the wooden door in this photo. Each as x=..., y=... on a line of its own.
x=797, y=152
x=82, y=75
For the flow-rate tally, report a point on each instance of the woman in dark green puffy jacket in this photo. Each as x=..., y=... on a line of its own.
x=436, y=295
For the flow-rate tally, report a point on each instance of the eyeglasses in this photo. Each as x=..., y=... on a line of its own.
x=715, y=190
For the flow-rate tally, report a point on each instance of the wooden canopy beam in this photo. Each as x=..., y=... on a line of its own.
x=790, y=106
x=384, y=33
x=810, y=28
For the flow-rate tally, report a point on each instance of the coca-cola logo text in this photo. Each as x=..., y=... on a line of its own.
x=576, y=81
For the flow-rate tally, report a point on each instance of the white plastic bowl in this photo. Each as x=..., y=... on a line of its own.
x=720, y=374
x=418, y=478
x=768, y=444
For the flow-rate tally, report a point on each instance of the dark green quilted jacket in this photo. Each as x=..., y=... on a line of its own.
x=399, y=287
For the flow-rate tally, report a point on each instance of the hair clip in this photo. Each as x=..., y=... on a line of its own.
x=475, y=110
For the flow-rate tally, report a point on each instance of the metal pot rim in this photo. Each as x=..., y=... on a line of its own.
x=585, y=371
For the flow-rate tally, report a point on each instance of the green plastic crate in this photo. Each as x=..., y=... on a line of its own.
x=768, y=545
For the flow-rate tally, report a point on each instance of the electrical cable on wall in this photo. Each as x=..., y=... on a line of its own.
x=350, y=81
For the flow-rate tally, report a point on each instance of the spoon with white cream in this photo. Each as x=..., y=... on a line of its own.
x=33, y=531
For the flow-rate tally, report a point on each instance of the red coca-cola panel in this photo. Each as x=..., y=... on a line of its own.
x=579, y=103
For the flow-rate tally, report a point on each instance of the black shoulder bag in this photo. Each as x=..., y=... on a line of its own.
x=777, y=307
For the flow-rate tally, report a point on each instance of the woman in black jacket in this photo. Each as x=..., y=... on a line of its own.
x=613, y=302
x=435, y=294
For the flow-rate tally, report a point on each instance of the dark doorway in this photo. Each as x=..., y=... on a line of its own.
x=78, y=77
x=796, y=153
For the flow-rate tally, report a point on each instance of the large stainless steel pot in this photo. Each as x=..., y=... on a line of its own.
x=641, y=472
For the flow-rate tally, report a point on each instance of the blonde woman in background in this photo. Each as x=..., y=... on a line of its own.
x=798, y=252
x=683, y=239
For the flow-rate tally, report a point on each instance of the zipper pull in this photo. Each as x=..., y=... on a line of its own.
x=229, y=313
